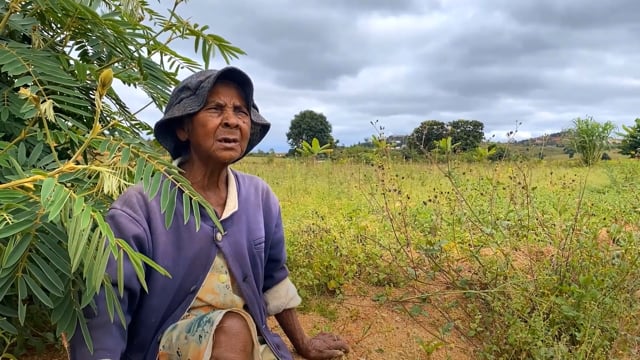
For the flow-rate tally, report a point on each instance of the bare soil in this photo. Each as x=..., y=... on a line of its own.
x=383, y=330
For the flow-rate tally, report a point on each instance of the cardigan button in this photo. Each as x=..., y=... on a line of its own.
x=218, y=237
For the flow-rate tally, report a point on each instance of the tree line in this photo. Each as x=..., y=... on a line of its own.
x=308, y=124
x=587, y=137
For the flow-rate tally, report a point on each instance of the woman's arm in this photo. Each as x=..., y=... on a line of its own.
x=109, y=337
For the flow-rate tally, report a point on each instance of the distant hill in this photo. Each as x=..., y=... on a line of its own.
x=555, y=139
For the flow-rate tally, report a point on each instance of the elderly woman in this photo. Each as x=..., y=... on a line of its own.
x=223, y=286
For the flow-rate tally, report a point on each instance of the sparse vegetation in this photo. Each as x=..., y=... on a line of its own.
x=509, y=254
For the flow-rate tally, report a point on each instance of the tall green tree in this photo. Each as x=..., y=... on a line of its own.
x=630, y=144
x=307, y=125
x=467, y=133
x=69, y=145
x=426, y=135
x=590, y=138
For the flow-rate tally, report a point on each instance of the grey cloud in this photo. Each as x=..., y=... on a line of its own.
x=542, y=62
x=575, y=14
x=383, y=6
x=308, y=45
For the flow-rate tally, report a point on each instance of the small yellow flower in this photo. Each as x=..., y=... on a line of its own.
x=26, y=93
x=104, y=82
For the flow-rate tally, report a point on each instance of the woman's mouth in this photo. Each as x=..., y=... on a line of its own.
x=228, y=140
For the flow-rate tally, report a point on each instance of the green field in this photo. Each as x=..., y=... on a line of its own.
x=532, y=259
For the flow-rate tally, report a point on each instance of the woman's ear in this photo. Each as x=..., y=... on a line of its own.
x=183, y=130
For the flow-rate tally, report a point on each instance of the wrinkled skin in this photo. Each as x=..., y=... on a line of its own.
x=324, y=346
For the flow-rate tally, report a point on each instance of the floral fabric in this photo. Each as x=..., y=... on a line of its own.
x=192, y=336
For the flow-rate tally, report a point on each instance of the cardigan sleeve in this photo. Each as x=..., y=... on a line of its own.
x=281, y=297
x=110, y=337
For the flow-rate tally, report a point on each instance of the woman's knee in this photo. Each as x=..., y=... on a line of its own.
x=234, y=325
x=232, y=338
x=234, y=322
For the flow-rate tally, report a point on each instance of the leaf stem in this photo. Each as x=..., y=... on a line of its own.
x=14, y=7
x=66, y=168
x=95, y=130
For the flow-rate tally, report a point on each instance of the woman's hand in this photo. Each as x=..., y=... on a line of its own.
x=320, y=347
x=323, y=346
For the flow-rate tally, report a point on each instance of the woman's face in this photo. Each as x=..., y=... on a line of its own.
x=219, y=133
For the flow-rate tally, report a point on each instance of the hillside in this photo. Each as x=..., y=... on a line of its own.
x=555, y=139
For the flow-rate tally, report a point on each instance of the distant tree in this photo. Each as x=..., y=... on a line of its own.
x=467, y=133
x=308, y=125
x=590, y=138
x=631, y=140
x=425, y=136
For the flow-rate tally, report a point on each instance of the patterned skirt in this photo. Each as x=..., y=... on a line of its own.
x=192, y=338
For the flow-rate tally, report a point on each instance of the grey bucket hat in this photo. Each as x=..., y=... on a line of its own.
x=190, y=96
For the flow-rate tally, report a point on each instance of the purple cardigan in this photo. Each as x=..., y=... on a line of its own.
x=253, y=245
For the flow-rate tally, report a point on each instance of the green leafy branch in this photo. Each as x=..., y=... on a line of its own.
x=314, y=149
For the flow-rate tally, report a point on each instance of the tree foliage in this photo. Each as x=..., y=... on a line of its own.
x=590, y=138
x=69, y=145
x=426, y=135
x=467, y=133
x=306, y=126
x=630, y=144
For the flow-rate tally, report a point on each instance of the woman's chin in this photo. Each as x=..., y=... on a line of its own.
x=228, y=157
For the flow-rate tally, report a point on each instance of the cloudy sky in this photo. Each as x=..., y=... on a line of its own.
x=540, y=63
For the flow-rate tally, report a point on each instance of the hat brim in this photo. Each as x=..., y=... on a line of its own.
x=190, y=96
x=259, y=129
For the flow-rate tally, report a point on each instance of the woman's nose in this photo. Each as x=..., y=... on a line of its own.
x=229, y=118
